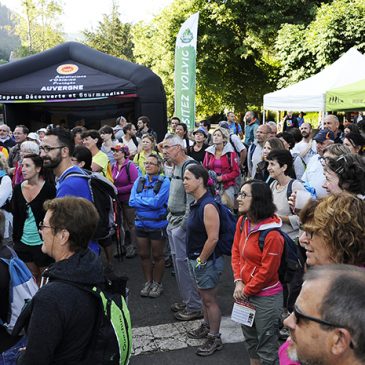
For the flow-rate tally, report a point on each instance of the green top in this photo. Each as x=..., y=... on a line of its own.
x=31, y=235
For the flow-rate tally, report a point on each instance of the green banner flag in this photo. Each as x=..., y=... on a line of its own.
x=185, y=71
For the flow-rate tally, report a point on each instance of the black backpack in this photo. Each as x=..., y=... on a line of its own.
x=291, y=259
x=104, y=197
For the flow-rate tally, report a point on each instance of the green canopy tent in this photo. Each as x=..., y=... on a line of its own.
x=348, y=97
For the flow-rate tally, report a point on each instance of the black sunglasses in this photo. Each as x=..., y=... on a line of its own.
x=301, y=316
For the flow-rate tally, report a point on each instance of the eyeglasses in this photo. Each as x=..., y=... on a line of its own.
x=150, y=163
x=301, y=316
x=243, y=195
x=49, y=149
x=167, y=147
x=42, y=226
x=309, y=235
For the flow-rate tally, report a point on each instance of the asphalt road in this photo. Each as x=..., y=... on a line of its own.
x=160, y=339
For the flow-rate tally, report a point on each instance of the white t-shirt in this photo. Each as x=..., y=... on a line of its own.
x=133, y=149
x=314, y=176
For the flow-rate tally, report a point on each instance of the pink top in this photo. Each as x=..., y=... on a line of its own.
x=217, y=166
x=283, y=354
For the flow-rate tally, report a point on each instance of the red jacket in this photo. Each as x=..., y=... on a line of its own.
x=257, y=270
x=230, y=168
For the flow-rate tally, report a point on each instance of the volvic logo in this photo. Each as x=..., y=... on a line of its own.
x=187, y=36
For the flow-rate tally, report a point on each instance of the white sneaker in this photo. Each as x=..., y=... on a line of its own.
x=156, y=290
x=146, y=289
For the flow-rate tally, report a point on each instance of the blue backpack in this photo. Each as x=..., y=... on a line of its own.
x=22, y=288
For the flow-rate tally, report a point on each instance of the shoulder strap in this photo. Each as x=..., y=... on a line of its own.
x=140, y=184
x=242, y=224
x=185, y=165
x=289, y=191
x=157, y=187
x=263, y=235
x=127, y=169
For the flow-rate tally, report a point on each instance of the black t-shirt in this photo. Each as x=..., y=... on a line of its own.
x=197, y=156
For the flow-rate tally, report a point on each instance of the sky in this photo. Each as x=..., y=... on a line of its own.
x=85, y=14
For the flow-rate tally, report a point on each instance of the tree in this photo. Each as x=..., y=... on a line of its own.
x=112, y=36
x=236, y=62
x=304, y=51
x=38, y=28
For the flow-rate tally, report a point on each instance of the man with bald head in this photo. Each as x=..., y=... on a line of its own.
x=332, y=123
x=255, y=149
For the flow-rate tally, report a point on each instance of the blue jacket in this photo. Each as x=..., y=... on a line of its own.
x=151, y=208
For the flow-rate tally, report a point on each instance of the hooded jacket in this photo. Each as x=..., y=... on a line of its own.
x=61, y=318
x=230, y=168
x=257, y=269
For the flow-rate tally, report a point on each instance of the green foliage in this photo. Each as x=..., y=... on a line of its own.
x=304, y=51
x=37, y=27
x=236, y=63
x=112, y=36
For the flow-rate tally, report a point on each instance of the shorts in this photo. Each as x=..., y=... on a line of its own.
x=106, y=242
x=207, y=276
x=32, y=254
x=153, y=234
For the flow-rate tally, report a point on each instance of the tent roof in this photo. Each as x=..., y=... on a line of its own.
x=348, y=97
x=309, y=94
x=77, y=72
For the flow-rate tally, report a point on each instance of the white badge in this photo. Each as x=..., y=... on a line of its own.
x=243, y=313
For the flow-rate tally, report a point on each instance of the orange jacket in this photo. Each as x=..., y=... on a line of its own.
x=257, y=269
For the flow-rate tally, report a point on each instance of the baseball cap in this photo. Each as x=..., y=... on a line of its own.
x=121, y=147
x=202, y=131
x=323, y=135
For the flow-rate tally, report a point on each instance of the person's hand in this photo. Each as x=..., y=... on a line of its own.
x=238, y=291
x=291, y=201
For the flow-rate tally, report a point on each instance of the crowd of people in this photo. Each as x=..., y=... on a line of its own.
x=311, y=186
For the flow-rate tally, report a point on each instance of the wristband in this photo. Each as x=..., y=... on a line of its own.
x=199, y=263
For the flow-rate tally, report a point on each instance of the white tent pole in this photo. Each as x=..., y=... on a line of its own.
x=263, y=117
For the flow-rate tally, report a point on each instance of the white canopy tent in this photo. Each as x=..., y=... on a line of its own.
x=310, y=94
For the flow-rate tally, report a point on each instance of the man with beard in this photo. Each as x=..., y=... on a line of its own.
x=56, y=150
x=307, y=147
x=252, y=123
x=327, y=326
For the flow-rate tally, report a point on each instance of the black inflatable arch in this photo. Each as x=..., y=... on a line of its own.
x=74, y=82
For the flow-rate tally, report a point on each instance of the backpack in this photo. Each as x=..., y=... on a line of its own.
x=184, y=166
x=156, y=188
x=104, y=197
x=22, y=288
x=291, y=259
x=227, y=228
x=112, y=341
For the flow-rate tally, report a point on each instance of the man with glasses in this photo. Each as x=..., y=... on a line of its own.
x=327, y=326
x=56, y=150
x=178, y=207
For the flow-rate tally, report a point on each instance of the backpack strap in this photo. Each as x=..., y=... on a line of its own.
x=263, y=235
x=127, y=169
x=140, y=184
x=289, y=191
